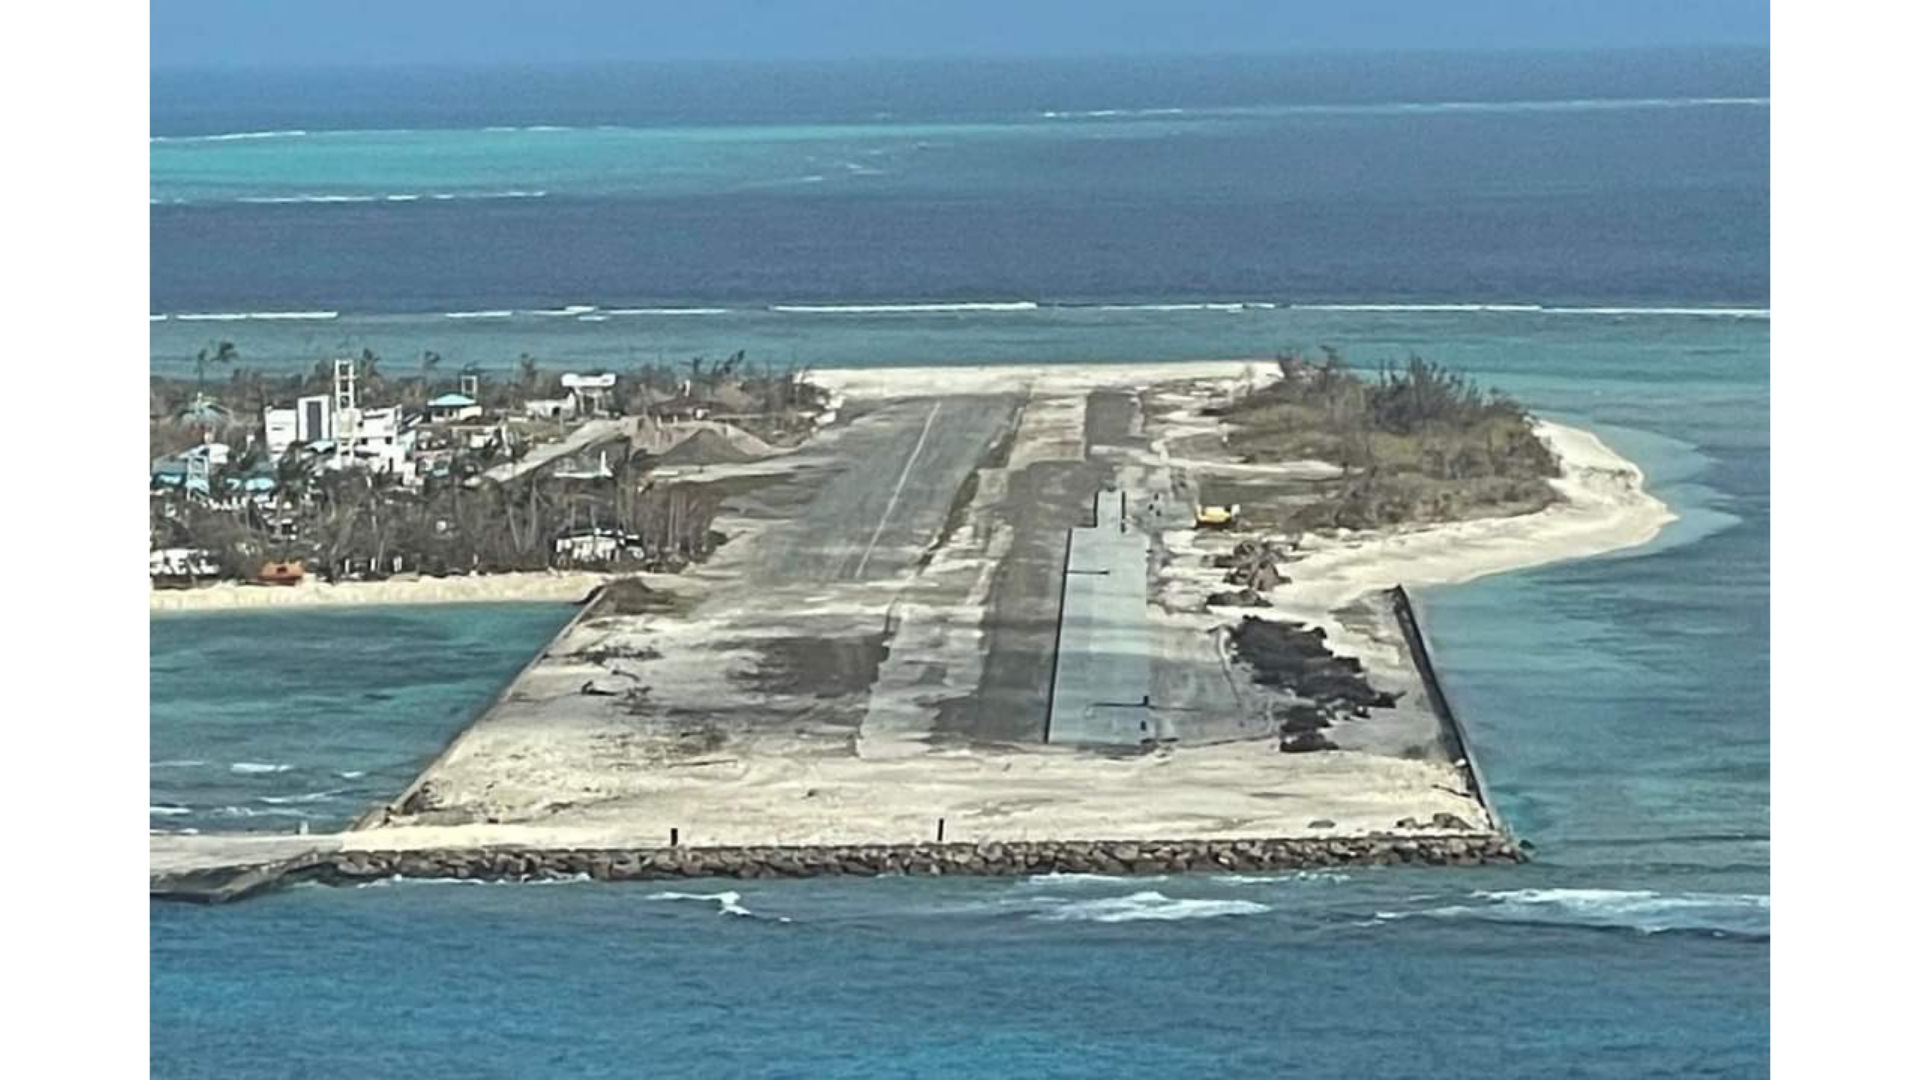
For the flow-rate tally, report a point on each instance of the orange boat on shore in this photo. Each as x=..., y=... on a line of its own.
x=281, y=573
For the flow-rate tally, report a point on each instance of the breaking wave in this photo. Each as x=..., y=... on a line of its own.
x=237, y=316
x=1641, y=910
x=728, y=900
x=1065, y=879
x=396, y=879
x=257, y=767
x=1250, y=305
x=1324, y=877
x=308, y=797
x=1103, y=114
x=182, y=763
x=1325, y=109
x=168, y=811
x=904, y=309
x=395, y=197
x=1147, y=906
x=1411, y=108
x=1543, y=309
x=232, y=136
x=999, y=307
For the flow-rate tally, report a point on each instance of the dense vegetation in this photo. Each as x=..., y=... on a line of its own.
x=1416, y=443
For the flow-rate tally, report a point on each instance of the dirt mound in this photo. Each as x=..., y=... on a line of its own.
x=706, y=447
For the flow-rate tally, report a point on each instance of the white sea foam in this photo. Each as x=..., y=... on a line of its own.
x=156, y=318
x=238, y=316
x=1417, y=307
x=1230, y=306
x=307, y=797
x=396, y=879
x=1414, y=108
x=1104, y=114
x=181, y=763
x=1326, y=877
x=1643, y=910
x=1542, y=309
x=1147, y=906
x=570, y=309
x=258, y=767
x=351, y=774
x=391, y=197
x=1069, y=880
x=168, y=811
x=232, y=136
x=728, y=900
x=903, y=309
x=499, y=314
x=1704, y=312
x=261, y=811
x=669, y=311
x=593, y=318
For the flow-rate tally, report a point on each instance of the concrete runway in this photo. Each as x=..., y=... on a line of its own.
x=899, y=469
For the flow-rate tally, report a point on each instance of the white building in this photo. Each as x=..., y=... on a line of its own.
x=551, y=408
x=589, y=392
x=180, y=562
x=453, y=407
x=309, y=421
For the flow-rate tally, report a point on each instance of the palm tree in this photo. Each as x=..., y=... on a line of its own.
x=212, y=356
x=429, y=365
x=370, y=376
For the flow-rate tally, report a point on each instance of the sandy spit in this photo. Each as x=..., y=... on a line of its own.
x=555, y=586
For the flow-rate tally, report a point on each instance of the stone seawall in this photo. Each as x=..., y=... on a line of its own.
x=976, y=860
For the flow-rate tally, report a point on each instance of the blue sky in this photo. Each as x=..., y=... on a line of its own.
x=195, y=33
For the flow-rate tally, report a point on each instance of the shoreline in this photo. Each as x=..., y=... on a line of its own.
x=536, y=775
x=353, y=867
x=1604, y=508
x=570, y=587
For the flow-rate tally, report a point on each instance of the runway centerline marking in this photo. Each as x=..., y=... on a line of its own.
x=899, y=485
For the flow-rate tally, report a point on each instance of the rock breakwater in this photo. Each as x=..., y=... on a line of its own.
x=1009, y=859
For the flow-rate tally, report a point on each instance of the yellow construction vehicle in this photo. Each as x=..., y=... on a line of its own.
x=1216, y=517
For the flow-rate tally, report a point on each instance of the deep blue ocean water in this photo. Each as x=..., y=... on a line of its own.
x=1619, y=705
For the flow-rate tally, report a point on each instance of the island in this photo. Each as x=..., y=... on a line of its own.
x=1113, y=618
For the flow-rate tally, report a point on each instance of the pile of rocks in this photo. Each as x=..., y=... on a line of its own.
x=979, y=860
x=1254, y=565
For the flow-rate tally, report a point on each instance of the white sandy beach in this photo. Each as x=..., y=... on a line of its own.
x=553, y=586
x=1604, y=508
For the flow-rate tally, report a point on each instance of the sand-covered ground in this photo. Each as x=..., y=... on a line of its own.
x=810, y=695
x=555, y=586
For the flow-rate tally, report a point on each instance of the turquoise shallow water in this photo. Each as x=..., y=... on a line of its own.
x=263, y=721
x=1619, y=705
